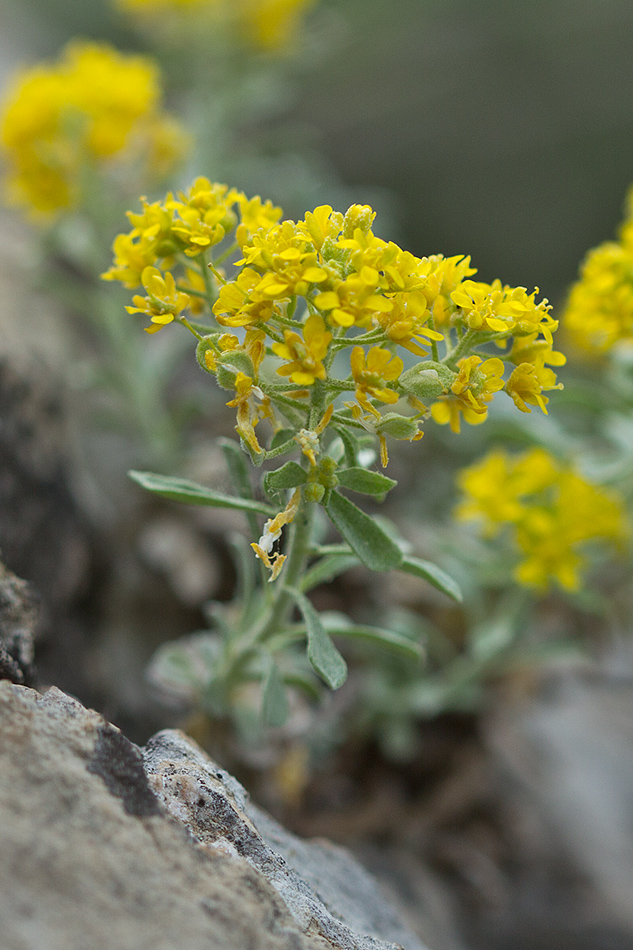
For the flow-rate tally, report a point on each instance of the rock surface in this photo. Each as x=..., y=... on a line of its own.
x=104, y=847
x=18, y=619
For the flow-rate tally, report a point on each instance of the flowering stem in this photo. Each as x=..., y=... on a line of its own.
x=434, y=350
x=223, y=256
x=218, y=276
x=186, y=323
x=374, y=336
x=460, y=348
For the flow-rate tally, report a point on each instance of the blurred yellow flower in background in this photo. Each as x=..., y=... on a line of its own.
x=91, y=108
x=269, y=25
x=550, y=511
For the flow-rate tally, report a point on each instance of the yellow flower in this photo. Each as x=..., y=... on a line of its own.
x=267, y=25
x=133, y=253
x=550, y=512
x=531, y=349
x=291, y=266
x=474, y=387
x=405, y=323
x=526, y=385
x=355, y=301
x=304, y=355
x=501, y=309
x=599, y=310
x=494, y=488
x=255, y=216
x=94, y=106
x=163, y=302
x=203, y=216
x=321, y=224
x=372, y=373
x=240, y=303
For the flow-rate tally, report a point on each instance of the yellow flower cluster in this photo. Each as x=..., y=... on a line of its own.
x=91, y=107
x=599, y=311
x=316, y=287
x=268, y=25
x=550, y=511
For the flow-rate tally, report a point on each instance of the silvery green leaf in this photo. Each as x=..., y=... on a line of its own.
x=290, y=475
x=434, y=575
x=367, y=540
x=366, y=482
x=191, y=493
x=274, y=700
x=323, y=655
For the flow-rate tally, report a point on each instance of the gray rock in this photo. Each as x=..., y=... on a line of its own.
x=100, y=849
x=18, y=619
x=571, y=752
x=326, y=890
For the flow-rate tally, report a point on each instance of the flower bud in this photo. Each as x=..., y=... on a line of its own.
x=327, y=472
x=397, y=426
x=206, y=354
x=314, y=492
x=229, y=364
x=422, y=383
x=427, y=380
x=358, y=216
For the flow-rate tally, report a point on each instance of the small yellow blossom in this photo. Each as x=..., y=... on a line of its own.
x=305, y=355
x=500, y=309
x=494, y=488
x=321, y=224
x=405, y=323
x=474, y=387
x=163, y=302
x=526, y=385
x=372, y=373
x=133, y=253
x=240, y=302
x=255, y=216
x=531, y=349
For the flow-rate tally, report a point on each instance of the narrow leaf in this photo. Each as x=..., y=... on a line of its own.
x=323, y=655
x=238, y=469
x=327, y=569
x=290, y=475
x=394, y=642
x=281, y=437
x=350, y=445
x=274, y=700
x=366, y=482
x=191, y=493
x=368, y=541
x=434, y=575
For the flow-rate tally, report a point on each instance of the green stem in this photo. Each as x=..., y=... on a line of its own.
x=434, y=351
x=364, y=339
x=186, y=323
x=223, y=256
x=460, y=348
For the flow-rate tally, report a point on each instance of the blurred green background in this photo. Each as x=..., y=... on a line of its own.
x=503, y=129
